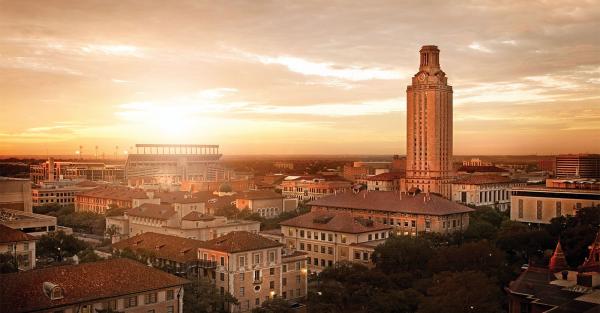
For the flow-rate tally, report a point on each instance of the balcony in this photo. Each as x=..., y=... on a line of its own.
x=207, y=264
x=258, y=281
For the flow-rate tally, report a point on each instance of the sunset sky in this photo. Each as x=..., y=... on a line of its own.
x=283, y=77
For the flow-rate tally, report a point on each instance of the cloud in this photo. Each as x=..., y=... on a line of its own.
x=479, y=47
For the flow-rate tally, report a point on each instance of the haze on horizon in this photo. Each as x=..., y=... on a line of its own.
x=307, y=77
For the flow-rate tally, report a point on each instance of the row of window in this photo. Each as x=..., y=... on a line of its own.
x=323, y=263
x=324, y=250
x=540, y=207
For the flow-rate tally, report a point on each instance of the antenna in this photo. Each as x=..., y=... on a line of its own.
x=96, y=152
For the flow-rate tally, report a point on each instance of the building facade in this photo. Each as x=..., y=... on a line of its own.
x=58, y=170
x=331, y=237
x=578, y=166
x=61, y=194
x=306, y=188
x=121, y=285
x=429, y=127
x=386, y=182
x=102, y=198
x=540, y=204
x=19, y=245
x=484, y=190
x=253, y=269
x=30, y=223
x=266, y=203
x=15, y=193
x=407, y=213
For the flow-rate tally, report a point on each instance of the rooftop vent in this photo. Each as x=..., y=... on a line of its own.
x=52, y=290
x=364, y=222
x=322, y=219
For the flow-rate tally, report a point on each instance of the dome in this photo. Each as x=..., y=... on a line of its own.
x=225, y=187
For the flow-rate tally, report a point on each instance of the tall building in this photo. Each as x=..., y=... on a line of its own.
x=429, y=127
x=578, y=166
x=15, y=193
x=57, y=170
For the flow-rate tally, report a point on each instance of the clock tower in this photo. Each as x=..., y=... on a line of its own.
x=429, y=127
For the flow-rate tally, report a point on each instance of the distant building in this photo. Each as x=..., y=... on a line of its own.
x=407, y=213
x=330, y=237
x=15, y=193
x=236, y=185
x=540, y=204
x=172, y=163
x=284, y=165
x=305, y=188
x=101, y=198
x=358, y=172
x=386, y=182
x=58, y=170
x=556, y=288
x=253, y=269
x=122, y=285
x=476, y=162
x=30, y=223
x=484, y=190
x=59, y=192
x=578, y=166
x=481, y=170
x=186, y=221
x=266, y=203
x=548, y=165
x=19, y=245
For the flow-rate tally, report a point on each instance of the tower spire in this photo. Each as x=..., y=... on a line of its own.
x=558, y=262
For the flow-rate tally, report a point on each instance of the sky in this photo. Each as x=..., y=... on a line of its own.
x=294, y=77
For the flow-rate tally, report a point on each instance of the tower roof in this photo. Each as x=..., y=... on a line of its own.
x=592, y=262
x=558, y=262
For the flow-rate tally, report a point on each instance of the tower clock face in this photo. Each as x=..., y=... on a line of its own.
x=422, y=77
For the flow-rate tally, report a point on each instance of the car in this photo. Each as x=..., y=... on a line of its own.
x=525, y=267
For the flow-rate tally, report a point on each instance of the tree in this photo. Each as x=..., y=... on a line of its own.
x=403, y=253
x=8, y=263
x=202, y=296
x=480, y=229
x=275, y=305
x=229, y=211
x=395, y=301
x=88, y=255
x=57, y=245
x=576, y=233
x=480, y=256
x=469, y=291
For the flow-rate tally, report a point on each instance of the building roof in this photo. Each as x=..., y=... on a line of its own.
x=8, y=235
x=88, y=282
x=151, y=210
x=390, y=201
x=240, y=241
x=343, y=222
x=115, y=192
x=259, y=195
x=483, y=180
x=177, y=197
x=386, y=176
x=163, y=246
x=481, y=169
x=197, y=216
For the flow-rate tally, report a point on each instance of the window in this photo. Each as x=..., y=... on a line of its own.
x=357, y=255
x=370, y=237
x=271, y=256
x=284, y=281
x=222, y=276
x=257, y=301
x=256, y=258
x=222, y=261
x=329, y=263
x=222, y=290
x=427, y=224
x=298, y=265
x=170, y=309
x=242, y=290
x=302, y=233
x=343, y=238
x=150, y=298
x=322, y=262
x=316, y=261
x=316, y=248
x=323, y=249
x=26, y=246
x=170, y=294
x=257, y=275
x=308, y=247
x=539, y=210
x=242, y=261
x=111, y=304
x=298, y=279
x=330, y=237
x=323, y=236
x=558, y=208
x=130, y=302
x=272, y=284
x=272, y=271
x=308, y=234
x=578, y=205
x=284, y=268
x=242, y=276
x=413, y=223
x=302, y=246
x=329, y=250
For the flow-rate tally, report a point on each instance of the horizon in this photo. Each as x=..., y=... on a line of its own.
x=268, y=78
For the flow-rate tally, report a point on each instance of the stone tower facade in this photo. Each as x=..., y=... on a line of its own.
x=429, y=127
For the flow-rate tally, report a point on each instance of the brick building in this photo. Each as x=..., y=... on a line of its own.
x=305, y=188
x=266, y=203
x=253, y=269
x=484, y=190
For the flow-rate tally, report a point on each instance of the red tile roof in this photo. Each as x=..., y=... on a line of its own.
x=168, y=247
x=392, y=202
x=177, y=197
x=115, y=192
x=240, y=241
x=481, y=169
x=482, y=180
x=386, y=177
x=197, y=216
x=88, y=282
x=343, y=222
x=151, y=210
x=8, y=235
x=259, y=195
